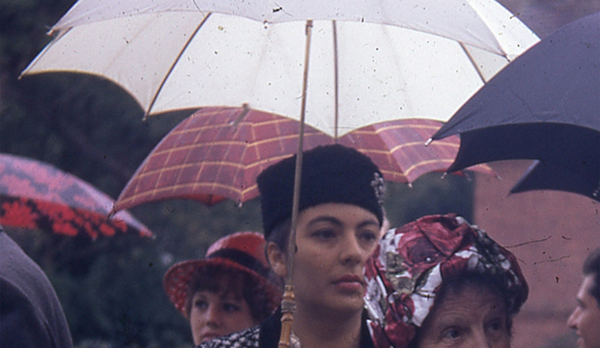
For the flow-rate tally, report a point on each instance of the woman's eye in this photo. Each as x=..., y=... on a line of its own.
x=369, y=236
x=201, y=304
x=497, y=327
x=230, y=307
x=451, y=333
x=324, y=234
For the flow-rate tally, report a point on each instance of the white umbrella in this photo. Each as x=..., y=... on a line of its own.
x=370, y=61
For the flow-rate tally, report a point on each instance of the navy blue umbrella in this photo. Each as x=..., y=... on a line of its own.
x=544, y=106
x=543, y=176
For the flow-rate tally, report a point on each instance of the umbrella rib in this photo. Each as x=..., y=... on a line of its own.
x=336, y=80
x=162, y=83
x=224, y=142
x=472, y=61
x=192, y=186
x=212, y=162
x=408, y=171
x=392, y=127
x=416, y=143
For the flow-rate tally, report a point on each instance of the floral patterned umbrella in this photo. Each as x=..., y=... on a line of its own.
x=36, y=195
x=218, y=152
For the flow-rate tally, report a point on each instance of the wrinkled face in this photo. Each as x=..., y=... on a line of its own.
x=586, y=316
x=472, y=317
x=333, y=242
x=213, y=315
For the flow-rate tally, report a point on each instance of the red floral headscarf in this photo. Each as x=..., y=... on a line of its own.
x=410, y=264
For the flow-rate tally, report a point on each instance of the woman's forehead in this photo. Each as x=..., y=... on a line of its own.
x=470, y=300
x=232, y=293
x=339, y=212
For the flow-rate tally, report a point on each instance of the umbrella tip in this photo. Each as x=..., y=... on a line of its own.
x=428, y=141
x=245, y=111
x=112, y=212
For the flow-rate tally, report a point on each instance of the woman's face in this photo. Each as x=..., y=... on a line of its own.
x=213, y=314
x=586, y=316
x=333, y=242
x=472, y=317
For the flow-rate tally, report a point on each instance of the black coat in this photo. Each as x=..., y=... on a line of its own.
x=30, y=313
x=267, y=336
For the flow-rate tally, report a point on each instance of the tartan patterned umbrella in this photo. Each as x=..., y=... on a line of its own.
x=217, y=153
x=36, y=195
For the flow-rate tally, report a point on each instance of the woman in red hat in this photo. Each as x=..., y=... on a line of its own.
x=231, y=289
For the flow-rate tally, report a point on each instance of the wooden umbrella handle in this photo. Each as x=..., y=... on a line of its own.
x=288, y=305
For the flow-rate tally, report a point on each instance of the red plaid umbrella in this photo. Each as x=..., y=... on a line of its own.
x=218, y=152
x=36, y=195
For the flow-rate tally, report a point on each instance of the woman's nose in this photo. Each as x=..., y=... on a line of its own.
x=213, y=316
x=351, y=252
x=480, y=340
x=572, y=321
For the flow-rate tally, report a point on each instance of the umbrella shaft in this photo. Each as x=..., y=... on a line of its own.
x=288, y=302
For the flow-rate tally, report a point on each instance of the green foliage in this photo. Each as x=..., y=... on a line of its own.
x=432, y=193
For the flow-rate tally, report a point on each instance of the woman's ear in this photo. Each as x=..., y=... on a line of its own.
x=277, y=259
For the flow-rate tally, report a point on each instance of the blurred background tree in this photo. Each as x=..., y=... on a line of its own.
x=111, y=288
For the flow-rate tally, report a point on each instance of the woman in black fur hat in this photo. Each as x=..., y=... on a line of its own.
x=337, y=229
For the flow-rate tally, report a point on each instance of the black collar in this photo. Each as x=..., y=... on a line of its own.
x=270, y=330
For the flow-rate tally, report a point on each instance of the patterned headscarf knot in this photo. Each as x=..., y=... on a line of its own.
x=410, y=264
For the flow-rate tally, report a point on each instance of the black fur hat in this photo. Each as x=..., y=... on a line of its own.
x=330, y=174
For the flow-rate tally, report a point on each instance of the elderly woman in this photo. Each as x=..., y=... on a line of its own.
x=231, y=289
x=440, y=282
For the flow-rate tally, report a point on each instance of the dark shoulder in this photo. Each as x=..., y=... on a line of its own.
x=244, y=339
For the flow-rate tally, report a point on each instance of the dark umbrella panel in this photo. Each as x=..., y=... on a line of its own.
x=544, y=106
x=541, y=176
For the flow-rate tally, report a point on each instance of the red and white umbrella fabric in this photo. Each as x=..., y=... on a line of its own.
x=37, y=195
x=218, y=152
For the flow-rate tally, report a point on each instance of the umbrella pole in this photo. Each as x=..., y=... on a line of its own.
x=288, y=303
x=335, y=80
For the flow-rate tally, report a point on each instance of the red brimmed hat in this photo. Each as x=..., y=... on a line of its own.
x=244, y=251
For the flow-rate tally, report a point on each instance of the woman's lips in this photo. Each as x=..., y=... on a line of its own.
x=350, y=278
x=209, y=336
x=350, y=283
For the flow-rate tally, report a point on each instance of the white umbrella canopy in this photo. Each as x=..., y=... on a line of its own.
x=368, y=61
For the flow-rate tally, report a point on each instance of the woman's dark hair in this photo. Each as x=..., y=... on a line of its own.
x=591, y=267
x=480, y=281
x=223, y=280
x=280, y=235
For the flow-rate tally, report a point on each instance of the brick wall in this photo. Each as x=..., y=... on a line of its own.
x=551, y=233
